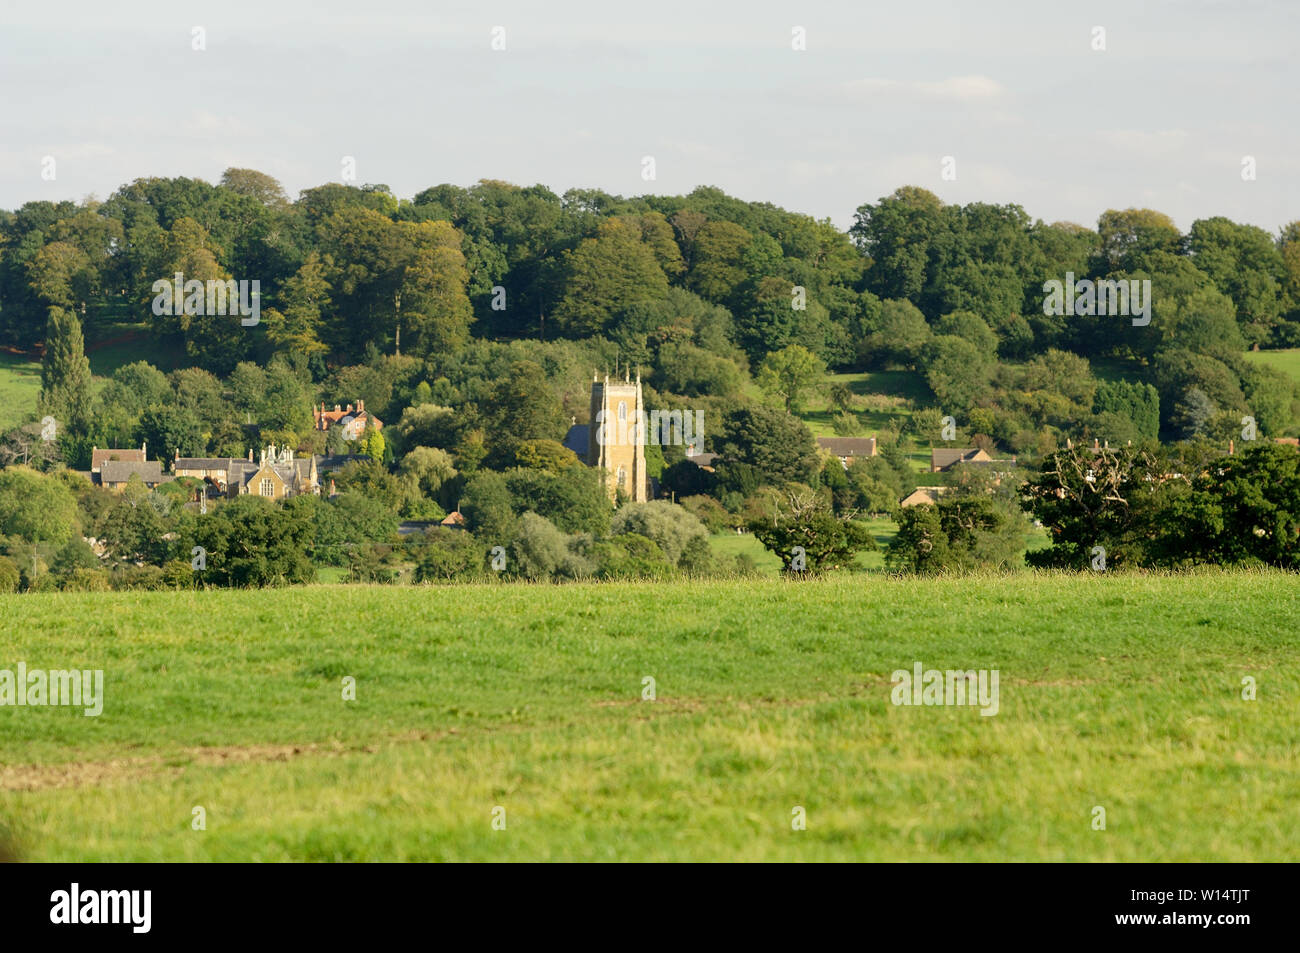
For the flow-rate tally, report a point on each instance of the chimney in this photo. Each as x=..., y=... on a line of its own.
x=337, y=410
x=361, y=406
x=143, y=447
x=250, y=454
x=1231, y=446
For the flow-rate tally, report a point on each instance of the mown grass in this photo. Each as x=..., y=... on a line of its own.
x=1119, y=692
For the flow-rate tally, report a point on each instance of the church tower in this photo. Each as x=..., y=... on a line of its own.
x=617, y=437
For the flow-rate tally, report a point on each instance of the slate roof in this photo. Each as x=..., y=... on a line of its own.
x=101, y=455
x=578, y=439
x=849, y=446
x=702, y=459
x=336, y=461
x=206, y=463
x=120, y=471
x=941, y=458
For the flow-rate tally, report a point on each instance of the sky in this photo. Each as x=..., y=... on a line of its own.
x=1013, y=91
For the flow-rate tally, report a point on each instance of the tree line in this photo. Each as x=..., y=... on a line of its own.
x=470, y=319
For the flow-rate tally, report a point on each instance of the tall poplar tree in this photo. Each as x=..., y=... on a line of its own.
x=65, y=373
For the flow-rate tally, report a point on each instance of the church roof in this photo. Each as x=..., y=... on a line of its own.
x=578, y=439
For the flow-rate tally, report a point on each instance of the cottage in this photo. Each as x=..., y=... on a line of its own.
x=352, y=421
x=100, y=455
x=116, y=474
x=943, y=459
x=113, y=468
x=848, y=449
x=924, y=495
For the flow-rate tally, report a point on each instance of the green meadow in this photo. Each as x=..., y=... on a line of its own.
x=1286, y=360
x=1115, y=692
x=20, y=383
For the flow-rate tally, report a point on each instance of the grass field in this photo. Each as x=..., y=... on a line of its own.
x=1115, y=692
x=1287, y=360
x=818, y=412
x=112, y=346
x=20, y=383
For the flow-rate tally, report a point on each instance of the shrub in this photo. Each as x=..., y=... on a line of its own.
x=671, y=526
x=539, y=551
x=709, y=512
x=139, y=577
x=86, y=580
x=631, y=556
x=10, y=577
x=448, y=555
x=179, y=574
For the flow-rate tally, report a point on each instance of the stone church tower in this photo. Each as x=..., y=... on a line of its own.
x=616, y=441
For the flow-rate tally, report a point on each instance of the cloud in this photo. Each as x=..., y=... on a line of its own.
x=1147, y=144
x=207, y=125
x=955, y=89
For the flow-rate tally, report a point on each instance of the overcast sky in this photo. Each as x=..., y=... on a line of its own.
x=1012, y=90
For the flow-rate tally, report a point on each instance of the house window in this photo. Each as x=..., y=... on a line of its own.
x=622, y=478
x=622, y=410
x=268, y=488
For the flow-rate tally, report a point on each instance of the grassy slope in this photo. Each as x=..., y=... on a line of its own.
x=1287, y=361
x=114, y=344
x=20, y=383
x=818, y=412
x=1119, y=692
x=110, y=347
